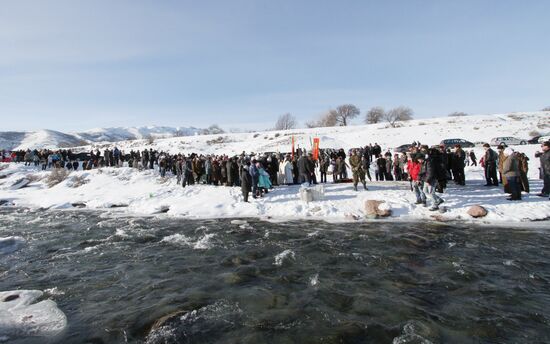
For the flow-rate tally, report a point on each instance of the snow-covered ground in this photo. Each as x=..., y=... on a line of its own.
x=130, y=190
x=144, y=192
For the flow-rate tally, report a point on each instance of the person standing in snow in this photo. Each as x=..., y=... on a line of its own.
x=264, y=182
x=544, y=157
x=357, y=170
x=253, y=170
x=288, y=171
x=376, y=150
x=523, y=162
x=312, y=164
x=510, y=170
x=246, y=181
x=490, y=165
x=323, y=168
x=459, y=158
x=380, y=170
x=303, y=170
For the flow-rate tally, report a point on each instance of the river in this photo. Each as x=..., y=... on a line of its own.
x=251, y=281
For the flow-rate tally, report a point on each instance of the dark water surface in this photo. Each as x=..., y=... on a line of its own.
x=297, y=282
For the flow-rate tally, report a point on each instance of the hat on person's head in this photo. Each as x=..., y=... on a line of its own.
x=486, y=145
x=500, y=147
x=546, y=143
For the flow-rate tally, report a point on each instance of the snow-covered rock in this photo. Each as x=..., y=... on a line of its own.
x=21, y=316
x=375, y=208
x=477, y=211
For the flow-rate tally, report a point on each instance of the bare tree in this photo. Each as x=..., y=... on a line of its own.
x=375, y=115
x=458, y=114
x=546, y=108
x=345, y=112
x=326, y=120
x=534, y=133
x=286, y=121
x=150, y=139
x=398, y=114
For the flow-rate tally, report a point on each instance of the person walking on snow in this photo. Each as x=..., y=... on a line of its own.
x=414, y=166
x=429, y=173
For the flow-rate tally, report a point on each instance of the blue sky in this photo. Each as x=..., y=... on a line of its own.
x=75, y=65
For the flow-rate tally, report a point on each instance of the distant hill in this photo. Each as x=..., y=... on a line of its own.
x=14, y=140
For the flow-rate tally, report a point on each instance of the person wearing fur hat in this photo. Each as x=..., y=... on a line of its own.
x=510, y=171
x=502, y=178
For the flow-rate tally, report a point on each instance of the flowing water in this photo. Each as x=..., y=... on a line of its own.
x=250, y=281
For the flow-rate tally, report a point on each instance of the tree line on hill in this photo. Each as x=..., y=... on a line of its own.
x=342, y=115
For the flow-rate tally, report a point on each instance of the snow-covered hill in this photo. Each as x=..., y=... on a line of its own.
x=12, y=140
x=427, y=131
x=134, y=133
x=38, y=139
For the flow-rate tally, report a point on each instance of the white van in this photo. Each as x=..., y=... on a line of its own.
x=507, y=141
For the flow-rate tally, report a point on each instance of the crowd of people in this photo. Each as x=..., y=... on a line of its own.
x=427, y=169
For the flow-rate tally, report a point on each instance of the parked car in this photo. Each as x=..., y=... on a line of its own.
x=535, y=139
x=544, y=138
x=507, y=141
x=403, y=148
x=450, y=143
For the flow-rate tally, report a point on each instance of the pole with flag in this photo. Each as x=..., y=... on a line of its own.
x=292, y=147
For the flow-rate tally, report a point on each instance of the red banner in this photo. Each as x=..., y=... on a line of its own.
x=316, y=148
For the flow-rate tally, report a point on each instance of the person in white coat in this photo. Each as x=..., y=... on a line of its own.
x=287, y=169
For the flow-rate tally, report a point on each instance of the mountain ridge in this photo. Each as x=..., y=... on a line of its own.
x=47, y=138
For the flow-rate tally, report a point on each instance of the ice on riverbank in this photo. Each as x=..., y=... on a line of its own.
x=11, y=244
x=21, y=316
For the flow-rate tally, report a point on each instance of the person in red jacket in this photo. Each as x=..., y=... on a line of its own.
x=413, y=166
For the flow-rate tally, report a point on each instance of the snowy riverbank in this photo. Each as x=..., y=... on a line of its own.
x=145, y=193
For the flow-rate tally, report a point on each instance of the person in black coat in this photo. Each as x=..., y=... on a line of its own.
x=458, y=165
x=246, y=181
x=304, y=172
x=376, y=150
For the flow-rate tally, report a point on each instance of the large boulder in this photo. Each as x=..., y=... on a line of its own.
x=477, y=211
x=375, y=208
